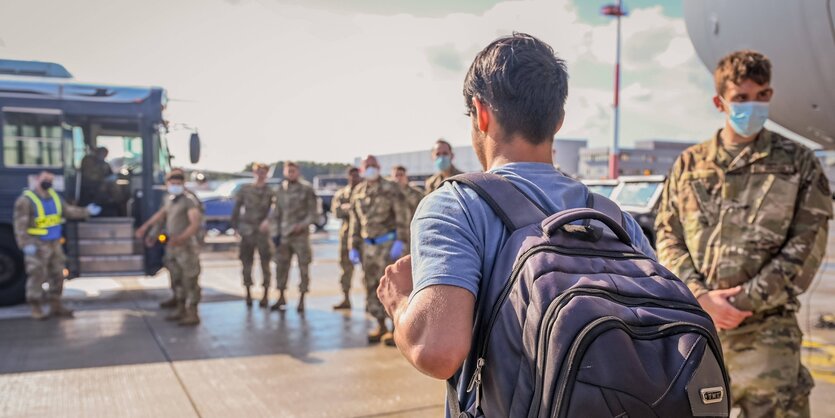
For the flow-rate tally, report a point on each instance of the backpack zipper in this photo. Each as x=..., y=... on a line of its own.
x=549, y=317
x=514, y=276
x=568, y=373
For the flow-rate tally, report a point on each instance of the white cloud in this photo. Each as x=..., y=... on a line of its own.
x=267, y=80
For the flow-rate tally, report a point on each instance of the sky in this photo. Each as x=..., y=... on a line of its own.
x=330, y=80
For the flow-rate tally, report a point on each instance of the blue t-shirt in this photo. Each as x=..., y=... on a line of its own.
x=456, y=237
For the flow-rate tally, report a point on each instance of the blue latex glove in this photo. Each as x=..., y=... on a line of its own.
x=397, y=249
x=30, y=249
x=93, y=209
x=354, y=256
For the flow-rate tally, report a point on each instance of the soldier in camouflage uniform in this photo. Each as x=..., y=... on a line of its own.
x=38, y=217
x=744, y=223
x=379, y=228
x=252, y=225
x=442, y=157
x=341, y=209
x=295, y=210
x=412, y=194
x=182, y=218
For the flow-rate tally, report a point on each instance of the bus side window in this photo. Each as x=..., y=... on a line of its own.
x=32, y=140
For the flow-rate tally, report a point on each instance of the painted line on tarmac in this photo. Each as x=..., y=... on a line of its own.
x=820, y=359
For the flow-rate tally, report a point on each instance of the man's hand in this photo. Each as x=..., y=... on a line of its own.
x=140, y=232
x=150, y=242
x=345, y=207
x=396, y=250
x=30, y=249
x=264, y=227
x=354, y=256
x=298, y=229
x=396, y=286
x=93, y=209
x=724, y=315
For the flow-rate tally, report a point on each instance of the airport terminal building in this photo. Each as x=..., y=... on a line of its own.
x=572, y=156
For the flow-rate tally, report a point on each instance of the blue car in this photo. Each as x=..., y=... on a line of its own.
x=218, y=204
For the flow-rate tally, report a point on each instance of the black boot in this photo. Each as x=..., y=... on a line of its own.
x=281, y=303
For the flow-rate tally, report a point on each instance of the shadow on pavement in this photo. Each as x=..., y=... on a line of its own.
x=128, y=327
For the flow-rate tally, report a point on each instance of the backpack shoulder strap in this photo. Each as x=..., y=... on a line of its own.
x=512, y=206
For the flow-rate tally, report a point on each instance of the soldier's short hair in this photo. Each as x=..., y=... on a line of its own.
x=399, y=168
x=352, y=170
x=259, y=166
x=739, y=66
x=176, y=174
x=442, y=141
x=291, y=164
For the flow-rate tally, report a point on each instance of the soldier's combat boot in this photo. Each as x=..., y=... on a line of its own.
x=56, y=308
x=300, y=308
x=190, y=317
x=37, y=311
x=168, y=303
x=178, y=313
x=376, y=335
x=280, y=304
x=345, y=304
x=248, y=297
x=265, y=301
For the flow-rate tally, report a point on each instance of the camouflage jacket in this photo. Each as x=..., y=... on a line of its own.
x=413, y=197
x=435, y=181
x=256, y=203
x=295, y=206
x=24, y=218
x=378, y=208
x=342, y=197
x=176, y=215
x=759, y=220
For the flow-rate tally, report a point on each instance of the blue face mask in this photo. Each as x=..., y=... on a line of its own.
x=443, y=162
x=175, y=189
x=747, y=118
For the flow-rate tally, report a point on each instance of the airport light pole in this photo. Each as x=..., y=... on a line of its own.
x=616, y=11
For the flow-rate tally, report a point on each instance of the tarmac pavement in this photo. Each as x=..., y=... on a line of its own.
x=120, y=358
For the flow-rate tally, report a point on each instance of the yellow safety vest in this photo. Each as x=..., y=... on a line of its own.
x=42, y=220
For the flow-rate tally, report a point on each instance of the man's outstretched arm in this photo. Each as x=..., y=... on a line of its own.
x=434, y=329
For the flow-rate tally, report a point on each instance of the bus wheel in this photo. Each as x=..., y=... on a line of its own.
x=12, y=277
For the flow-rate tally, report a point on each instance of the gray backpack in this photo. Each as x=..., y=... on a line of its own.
x=582, y=324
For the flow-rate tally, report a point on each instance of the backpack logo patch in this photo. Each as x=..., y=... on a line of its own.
x=712, y=395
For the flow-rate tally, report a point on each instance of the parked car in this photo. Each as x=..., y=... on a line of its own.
x=640, y=196
x=602, y=187
x=218, y=204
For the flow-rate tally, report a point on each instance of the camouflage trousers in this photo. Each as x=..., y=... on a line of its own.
x=46, y=266
x=246, y=251
x=183, y=264
x=298, y=245
x=345, y=264
x=375, y=258
x=763, y=360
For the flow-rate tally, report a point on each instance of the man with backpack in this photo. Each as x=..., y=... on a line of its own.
x=494, y=255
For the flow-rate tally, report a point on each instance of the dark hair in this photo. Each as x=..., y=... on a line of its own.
x=175, y=175
x=523, y=82
x=399, y=168
x=291, y=164
x=739, y=66
x=352, y=170
x=442, y=141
